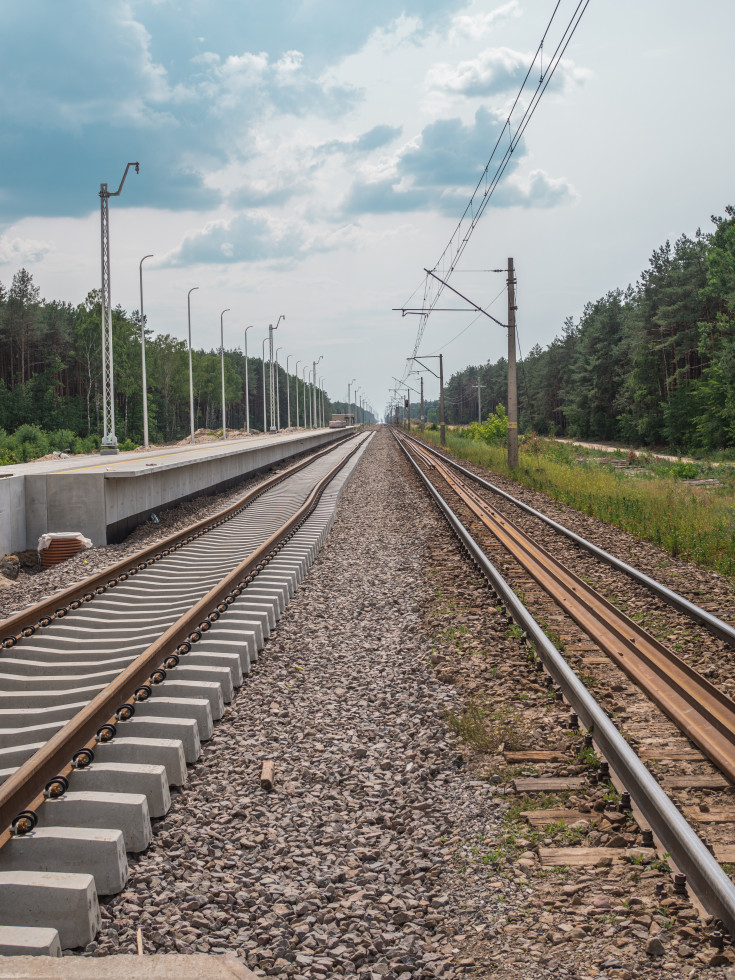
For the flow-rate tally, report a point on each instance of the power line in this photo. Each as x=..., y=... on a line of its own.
x=486, y=185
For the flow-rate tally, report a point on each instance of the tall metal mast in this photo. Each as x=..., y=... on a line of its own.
x=109, y=440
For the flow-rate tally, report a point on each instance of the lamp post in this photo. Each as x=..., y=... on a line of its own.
x=109, y=439
x=349, y=385
x=271, y=328
x=191, y=371
x=142, y=352
x=265, y=423
x=313, y=384
x=296, y=376
x=278, y=392
x=247, y=390
x=222, y=356
x=288, y=394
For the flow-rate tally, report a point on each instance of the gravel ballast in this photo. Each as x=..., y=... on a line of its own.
x=369, y=857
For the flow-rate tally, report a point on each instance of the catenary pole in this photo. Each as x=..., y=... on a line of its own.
x=109, y=439
x=512, y=379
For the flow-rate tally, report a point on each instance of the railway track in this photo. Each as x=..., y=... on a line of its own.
x=108, y=690
x=697, y=707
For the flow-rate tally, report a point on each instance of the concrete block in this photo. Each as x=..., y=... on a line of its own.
x=209, y=675
x=220, y=653
x=65, y=902
x=160, y=966
x=29, y=941
x=125, y=777
x=16, y=755
x=186, y=730
x=167, y=752
x=161, y=706
x=73, y=850
x=175, y=686
x=127, y=812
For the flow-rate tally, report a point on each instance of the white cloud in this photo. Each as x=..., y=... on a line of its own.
x=475, y=26
x=22, y=251
x=498, y=70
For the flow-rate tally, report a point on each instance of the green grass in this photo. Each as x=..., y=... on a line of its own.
x=695, y=523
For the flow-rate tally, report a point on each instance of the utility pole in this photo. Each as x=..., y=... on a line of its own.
x=479, y=403
x=512, y=379
x=421, y=418
x=109, y=439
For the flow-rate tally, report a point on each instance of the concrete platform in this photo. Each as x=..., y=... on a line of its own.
x=106, y=497
x=159, y=967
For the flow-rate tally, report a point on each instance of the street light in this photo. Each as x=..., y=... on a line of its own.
x=142, y=351
x=296, y=375
x=247, y=390
x=349, y=385
x=109, y=439
x=288, y=393
x=271, y=328
x=191, y=372
x=313, y=383
x=222, y=350
x=263, y=359
x=278, y=392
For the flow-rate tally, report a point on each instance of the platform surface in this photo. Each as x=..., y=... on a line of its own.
x=170, y=966
x=138, y=461
x=107, y=497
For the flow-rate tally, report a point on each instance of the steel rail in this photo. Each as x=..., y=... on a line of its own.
x=716, y=626
x=707, y=879
x=24, y=789
x=42, y=614
x=702, y=712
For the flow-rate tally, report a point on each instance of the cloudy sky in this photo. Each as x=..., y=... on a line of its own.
x=311, y=157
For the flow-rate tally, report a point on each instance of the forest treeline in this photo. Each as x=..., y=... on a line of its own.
x=653, y=364
x=51, y=373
